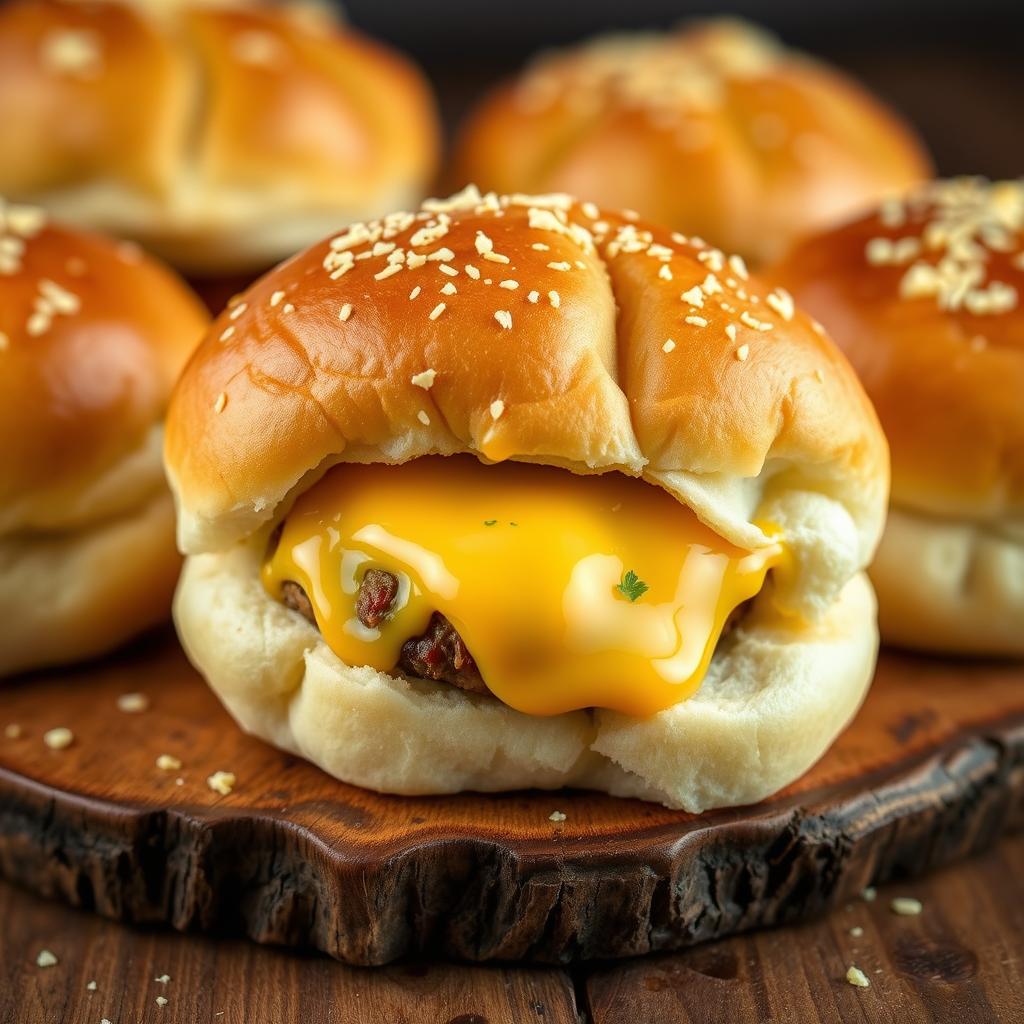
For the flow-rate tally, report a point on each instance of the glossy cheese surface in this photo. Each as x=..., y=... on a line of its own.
x=526, y=562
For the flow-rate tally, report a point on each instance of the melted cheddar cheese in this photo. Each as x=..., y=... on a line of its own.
x=526, y=562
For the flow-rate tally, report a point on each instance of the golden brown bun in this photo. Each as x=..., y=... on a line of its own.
x=92, y=337
x=224, y=136
x=753, y=416
x=714, y=129
x=941, y=355
x=924, y=296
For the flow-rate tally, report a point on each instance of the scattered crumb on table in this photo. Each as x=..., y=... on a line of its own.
x=856, y=977
x=905, y=906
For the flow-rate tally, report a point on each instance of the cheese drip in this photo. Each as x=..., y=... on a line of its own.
x=526, y=562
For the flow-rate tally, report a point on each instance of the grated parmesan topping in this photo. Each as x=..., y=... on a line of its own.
x=433, y=245
x=18, y=225
x=74, y=52
x=666, y=76
x=52, y=301
x=952, y=231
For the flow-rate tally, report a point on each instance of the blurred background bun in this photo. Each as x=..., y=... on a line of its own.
x=223, y=136
x=714, y=129
x=93, y=334
x=924, y=296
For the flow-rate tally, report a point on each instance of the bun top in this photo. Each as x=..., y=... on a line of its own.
x=770, y=144
x=543, y=330
x=925, y=297
x=247, y=125
x=92, y=337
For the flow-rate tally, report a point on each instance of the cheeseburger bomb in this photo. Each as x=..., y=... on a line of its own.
x=513, y=491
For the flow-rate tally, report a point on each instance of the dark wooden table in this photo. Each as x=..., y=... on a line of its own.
x=961, y=961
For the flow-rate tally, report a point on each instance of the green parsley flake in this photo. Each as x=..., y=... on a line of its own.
x=490, y=522
x=632, y=586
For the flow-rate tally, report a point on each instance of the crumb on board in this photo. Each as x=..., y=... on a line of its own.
x=168, y=763
x=856, y=932
x=45, y=959
x=59, y=738
x=91, y=987
x=869, y=894
x=13, y=731
x=163, y=979
x=221, y=782
x=132, y=703
x=906, y=906
x=161, y=1000
x=557, y=816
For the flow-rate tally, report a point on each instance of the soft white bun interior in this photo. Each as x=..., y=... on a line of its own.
x=70, y=594
x=777, y=693
x=951, y=585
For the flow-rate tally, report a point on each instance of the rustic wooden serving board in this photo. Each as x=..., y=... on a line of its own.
x=932, y=770
x=960, y=961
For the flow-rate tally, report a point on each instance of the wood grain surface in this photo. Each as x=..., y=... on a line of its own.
x=961, y=961
x=235, y=982
x=293, y=857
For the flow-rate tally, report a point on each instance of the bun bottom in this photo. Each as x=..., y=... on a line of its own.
x=950, y=586
x=775, y=697
x=67, y=596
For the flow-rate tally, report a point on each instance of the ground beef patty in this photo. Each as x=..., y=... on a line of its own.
x=295, y=597
x=376, y=595
x=439, y=654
